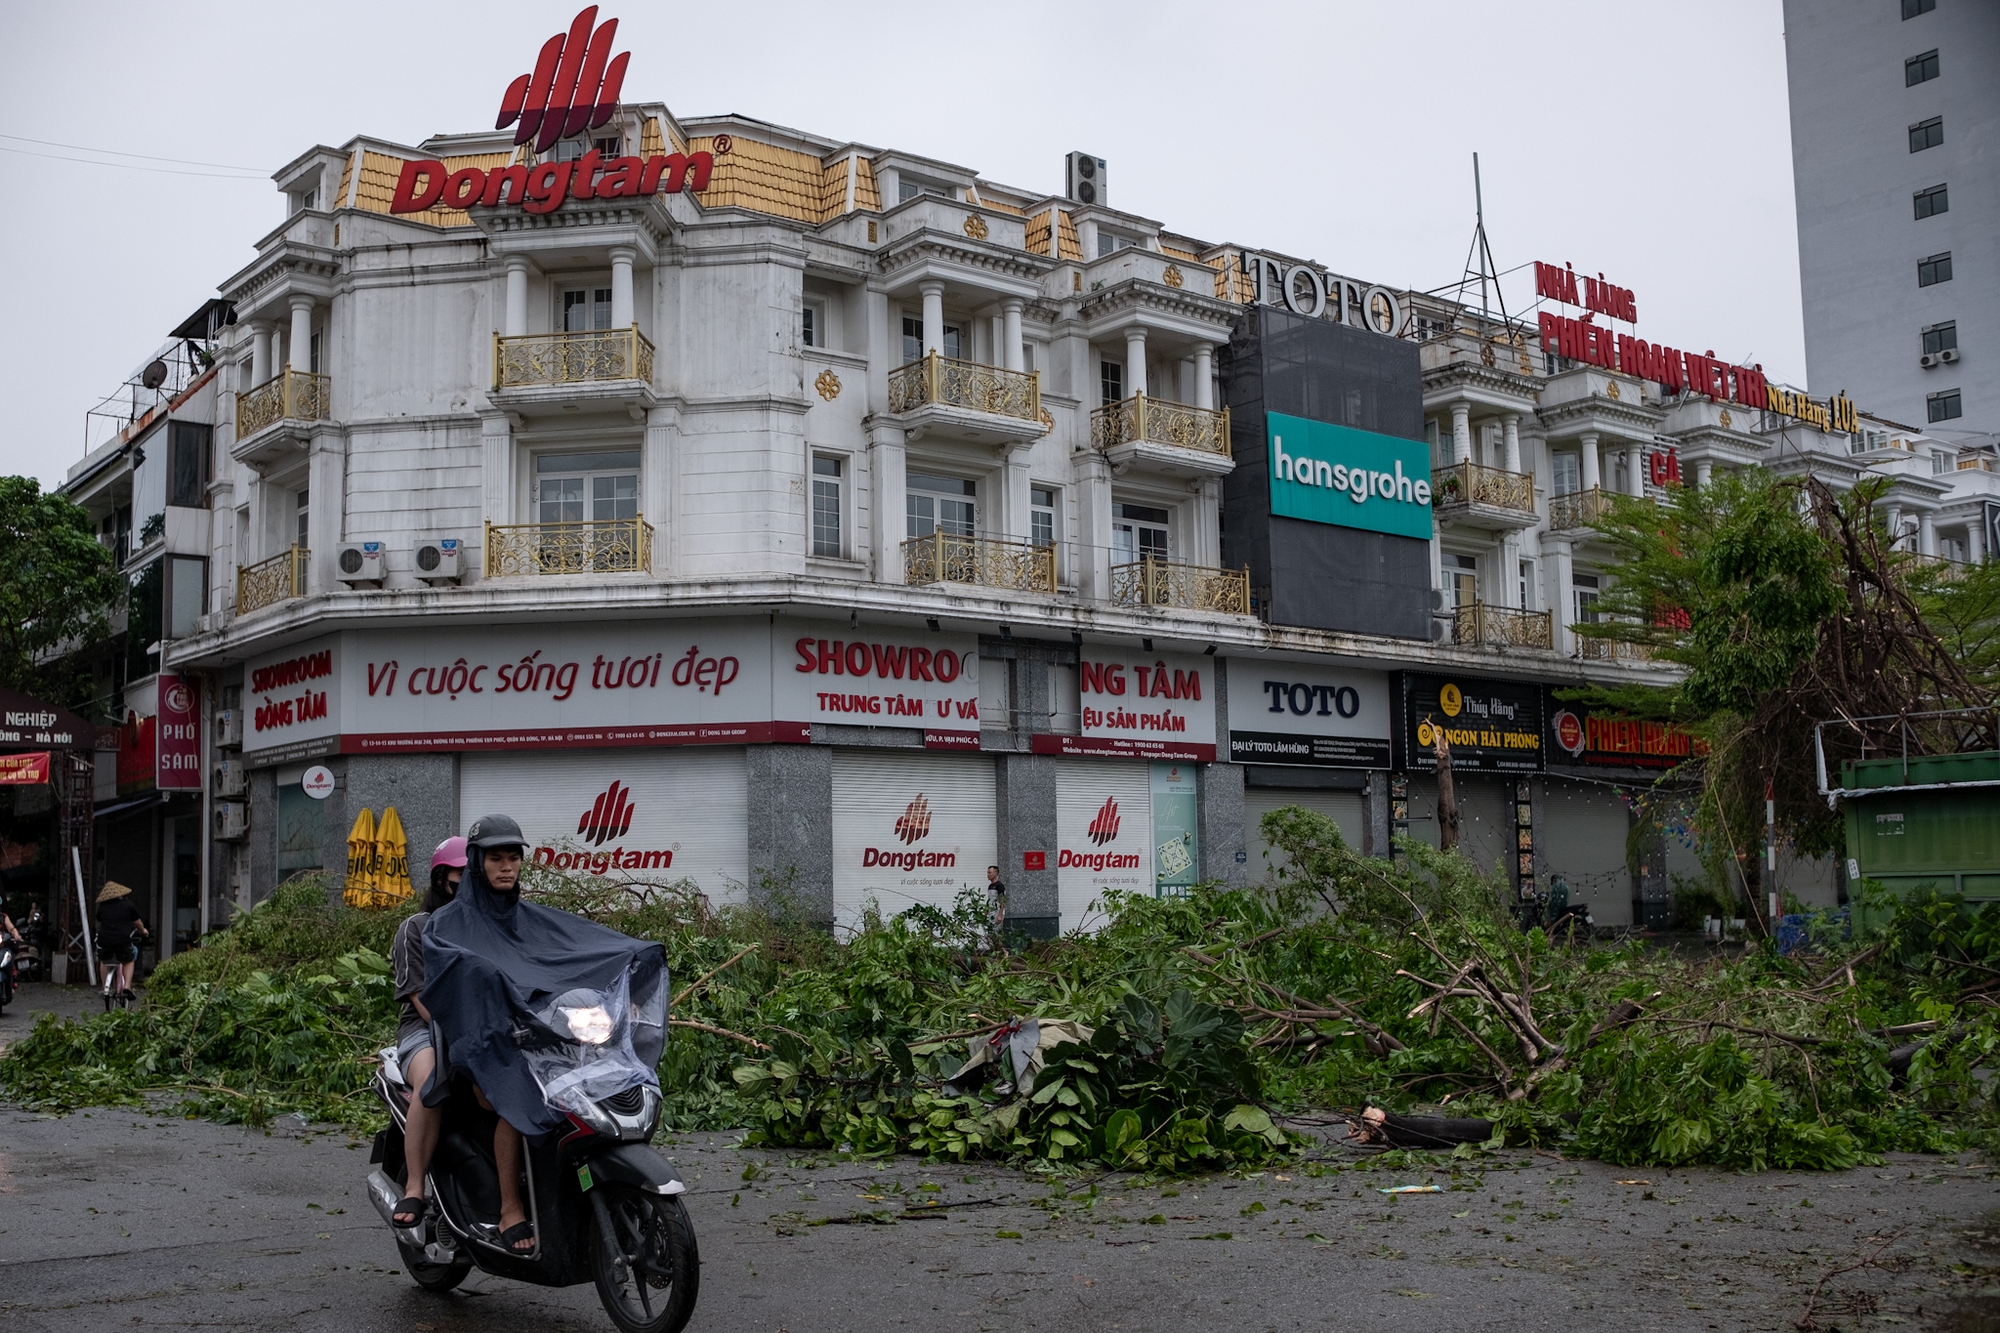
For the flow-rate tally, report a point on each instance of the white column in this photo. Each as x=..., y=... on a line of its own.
x=1093, y=563
x=1204, y=378
x=1135, y=360
x=1635, y=471
x=496, y=456
x=517, y=296
x=1975, y=539
x=326, y=467
x=1510, y=570
x=1558, y=570
x=621, y=285
x=1086, y=238
x=658, y=477
x=1702, y=470
x=298, y=347
x=933, y=317
x=1461, y=433
x=888, y=471
x=1010, y=335
x=1014, y=493
x=1511, y=424
x=1592, y=474
x=1895, y=525
x=260, y=353
x=1926, y=534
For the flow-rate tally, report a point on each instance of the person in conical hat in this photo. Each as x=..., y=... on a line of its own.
x=119, y=931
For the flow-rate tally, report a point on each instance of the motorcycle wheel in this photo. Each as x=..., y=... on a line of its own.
x=648, y=1270
x=431, y=1276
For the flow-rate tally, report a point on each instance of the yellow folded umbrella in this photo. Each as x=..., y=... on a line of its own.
x=392, y=860
x=359, y=891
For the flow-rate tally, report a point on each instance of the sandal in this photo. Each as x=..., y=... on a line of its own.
x=511, y=1238
x=414, y=1207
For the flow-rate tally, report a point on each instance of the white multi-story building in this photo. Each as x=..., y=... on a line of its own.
x=832, y=523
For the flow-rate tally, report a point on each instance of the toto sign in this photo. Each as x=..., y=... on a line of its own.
x=1305, y=290
x=574, y=87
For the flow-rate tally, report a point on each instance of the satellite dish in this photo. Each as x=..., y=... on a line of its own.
x=154, y=375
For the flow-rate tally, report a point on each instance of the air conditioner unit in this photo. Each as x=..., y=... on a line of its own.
x=231, y=778
x=1084, y=179
x=1949, y=356
x=229, y=727
x=232, y=821
x=1927, y=360
x=436, y=559
x=358, y=562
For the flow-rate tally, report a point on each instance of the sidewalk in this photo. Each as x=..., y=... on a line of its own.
x=36, y=998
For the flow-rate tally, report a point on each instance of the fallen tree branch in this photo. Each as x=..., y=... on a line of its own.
x=702, y=980
x=720, y=1032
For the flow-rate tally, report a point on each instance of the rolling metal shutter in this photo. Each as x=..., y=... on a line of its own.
x=1347, y=809
x=909, y=828
x=643, y=815
x=1584, y=828
x=1104, y=834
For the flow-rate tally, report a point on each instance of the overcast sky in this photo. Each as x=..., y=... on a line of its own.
x=1646, y=142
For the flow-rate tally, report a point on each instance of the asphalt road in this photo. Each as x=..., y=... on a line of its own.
x=112, y=1220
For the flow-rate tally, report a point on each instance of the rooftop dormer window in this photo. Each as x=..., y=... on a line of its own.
x=907, y=189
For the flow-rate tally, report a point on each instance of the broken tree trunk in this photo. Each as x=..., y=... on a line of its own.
x=1447, y=798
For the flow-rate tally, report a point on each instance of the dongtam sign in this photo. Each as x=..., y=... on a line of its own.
x=574, y=88
x=1351, y=478
x=1141, y=705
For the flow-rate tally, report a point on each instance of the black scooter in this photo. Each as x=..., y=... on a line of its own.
x=605, y=1206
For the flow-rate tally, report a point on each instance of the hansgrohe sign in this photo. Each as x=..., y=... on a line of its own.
x=1325, y=473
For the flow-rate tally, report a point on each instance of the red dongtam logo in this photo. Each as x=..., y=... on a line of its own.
x=915, y=822
x=1105, y=826
x=610, y=817
x=574, y=86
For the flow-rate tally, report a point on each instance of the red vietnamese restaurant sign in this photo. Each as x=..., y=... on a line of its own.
x=574, y=87
x=1560, y=284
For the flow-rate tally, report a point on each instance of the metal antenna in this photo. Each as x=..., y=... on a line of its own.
x=1479, y=258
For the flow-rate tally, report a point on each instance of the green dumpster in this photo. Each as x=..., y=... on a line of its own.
x=1925, y=823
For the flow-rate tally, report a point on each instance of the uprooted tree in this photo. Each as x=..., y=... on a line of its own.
x=1788, y=604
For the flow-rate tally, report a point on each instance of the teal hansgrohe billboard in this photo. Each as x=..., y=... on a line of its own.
x=1351, y=478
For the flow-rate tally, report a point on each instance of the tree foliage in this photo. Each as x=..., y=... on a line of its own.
x=1787, y=604
x=58, y=587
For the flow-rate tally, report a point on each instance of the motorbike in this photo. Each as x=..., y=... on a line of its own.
x=606, y=1207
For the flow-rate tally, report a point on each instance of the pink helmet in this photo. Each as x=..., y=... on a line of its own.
x=450, y=852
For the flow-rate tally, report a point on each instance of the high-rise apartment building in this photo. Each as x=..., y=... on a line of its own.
x=1896, y=162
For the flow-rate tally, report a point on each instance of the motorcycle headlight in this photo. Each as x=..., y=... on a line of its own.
x=582, y=1108
x=590, y=1025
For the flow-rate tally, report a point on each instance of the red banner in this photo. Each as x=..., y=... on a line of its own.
x=24, y=770
x=178, y=735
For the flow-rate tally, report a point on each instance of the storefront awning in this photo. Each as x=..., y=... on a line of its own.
x=129, y=806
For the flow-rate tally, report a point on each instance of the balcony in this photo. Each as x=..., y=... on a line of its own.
x=269, y=582
x=1611, y=650
x=1161, y=436
x=968, y=401
x=1578, y=509
x=607, y=546
x=284, y=401
x=945, y=557
x=549, y=373
x=1483, y=496
x=1483, y=626
x=1162, y=584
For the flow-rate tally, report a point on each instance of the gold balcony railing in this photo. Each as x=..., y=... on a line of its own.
x=945, y=557
x=269, y=582
x=545, y=360
x=1483, y=626
x=948, y=383
x=1469, y=483
x=1578, y=509
x=1150, y=582
x=294, y=395
x=1611, y=650
x=603, y=546
x=1157, y=421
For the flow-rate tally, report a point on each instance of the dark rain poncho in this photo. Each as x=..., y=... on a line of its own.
x=496, y=968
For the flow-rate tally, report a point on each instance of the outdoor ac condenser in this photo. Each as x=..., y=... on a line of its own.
x=436, y=559
x=229, y=727
x=358, y=562
x=231, y=778
x=232, y=821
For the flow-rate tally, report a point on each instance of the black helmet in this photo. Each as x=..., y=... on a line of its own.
x=491, y=831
